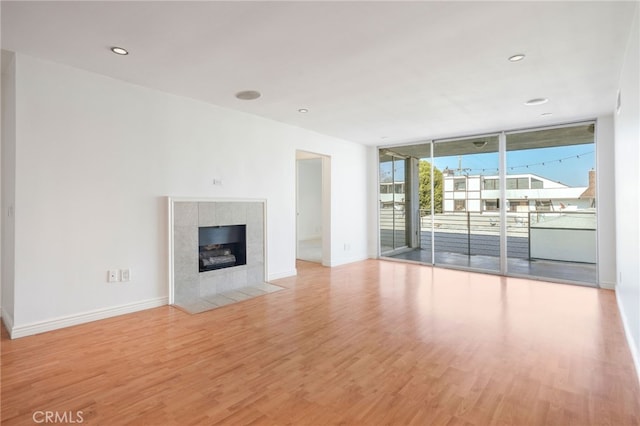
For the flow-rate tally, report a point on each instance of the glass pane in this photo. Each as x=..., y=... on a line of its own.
x=551, y=227
x=427, y=200
x=466, y=227
x=400, y=237
x=386, y=203
x=393, y=234
x=405, y=211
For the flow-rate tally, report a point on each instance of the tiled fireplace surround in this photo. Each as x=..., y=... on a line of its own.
x=190, y=285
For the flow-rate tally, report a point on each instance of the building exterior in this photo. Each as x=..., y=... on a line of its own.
x=525, y=193
x=392, y=194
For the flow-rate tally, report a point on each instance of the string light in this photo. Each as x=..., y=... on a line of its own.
x=544, y=163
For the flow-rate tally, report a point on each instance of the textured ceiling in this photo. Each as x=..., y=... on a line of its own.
x=378, y=73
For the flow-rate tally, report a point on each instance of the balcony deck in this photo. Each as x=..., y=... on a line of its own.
x=578, y=273
x=474, y=242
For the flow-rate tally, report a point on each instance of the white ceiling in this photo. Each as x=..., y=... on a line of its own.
x=377, y=73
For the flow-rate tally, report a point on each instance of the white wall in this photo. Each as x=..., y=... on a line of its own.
x=605, y=199
x=309, y=199
x=7, y=156
x=627, y=179
x=96, y=158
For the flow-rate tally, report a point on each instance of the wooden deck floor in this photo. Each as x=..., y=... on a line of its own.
x=369, y=343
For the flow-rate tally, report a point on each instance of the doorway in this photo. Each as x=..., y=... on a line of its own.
x=311, y=207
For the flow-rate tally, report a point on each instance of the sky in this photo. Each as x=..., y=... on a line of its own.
x=569, y=165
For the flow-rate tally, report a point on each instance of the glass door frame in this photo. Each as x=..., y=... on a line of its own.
x=395, y=248
x=502, y=178
x=502, y=267
x=504, y=258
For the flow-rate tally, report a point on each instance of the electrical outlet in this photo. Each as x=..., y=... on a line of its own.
x=125, y=274
x=113, y=275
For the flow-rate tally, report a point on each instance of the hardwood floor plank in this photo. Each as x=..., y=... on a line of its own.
x=372, y=342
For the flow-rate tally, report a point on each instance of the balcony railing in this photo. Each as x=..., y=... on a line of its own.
x=542, y=235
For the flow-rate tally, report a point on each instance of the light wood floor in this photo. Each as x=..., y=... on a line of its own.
x=368, y=343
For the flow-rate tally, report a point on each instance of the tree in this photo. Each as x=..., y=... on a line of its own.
x=424, y=190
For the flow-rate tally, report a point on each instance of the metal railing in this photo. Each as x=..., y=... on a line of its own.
x=475, y=233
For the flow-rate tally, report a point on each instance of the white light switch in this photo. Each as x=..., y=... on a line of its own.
x=125, y=274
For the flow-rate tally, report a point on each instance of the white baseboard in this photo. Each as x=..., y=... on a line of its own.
x=277, y=276
x=630, y=341
x=607, y=285
x=98, y=314
x=7, y=319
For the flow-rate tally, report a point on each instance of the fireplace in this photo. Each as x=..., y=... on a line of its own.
x=229, y=235
x=221, y=247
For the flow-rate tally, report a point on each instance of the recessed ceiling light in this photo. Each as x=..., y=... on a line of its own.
x=536, y=101
x=119, y=51
x=248, y=95
x=517, y=57
x=303, y=110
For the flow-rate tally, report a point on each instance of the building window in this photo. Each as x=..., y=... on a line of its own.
x=518, y=183
x=399, y=188
x=460, y=184
x=523, y=183
x=514, y=204
x=491, y=184
x=384, y=188
x=459, y=205
x=536, y=184
x=491, y=205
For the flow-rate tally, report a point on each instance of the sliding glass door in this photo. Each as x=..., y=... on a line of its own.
x=467, y=230
x=551, y=200
x=520, y=203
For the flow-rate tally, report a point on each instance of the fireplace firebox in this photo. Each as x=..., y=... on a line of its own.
x=222, y=247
